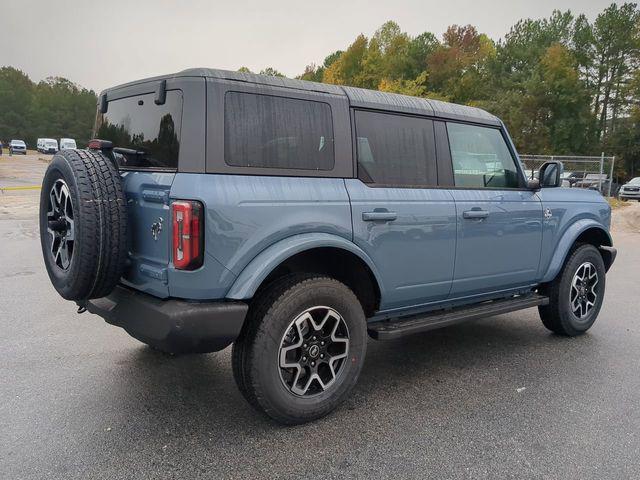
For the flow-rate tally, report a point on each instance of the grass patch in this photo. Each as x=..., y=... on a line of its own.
x=615, y=203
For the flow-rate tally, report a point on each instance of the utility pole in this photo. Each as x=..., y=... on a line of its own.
x=613, y=160
x=601, y=169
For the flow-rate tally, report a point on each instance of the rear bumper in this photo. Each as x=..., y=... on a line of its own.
x=172, y=325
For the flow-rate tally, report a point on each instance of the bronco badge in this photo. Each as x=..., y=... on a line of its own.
x=156, y=228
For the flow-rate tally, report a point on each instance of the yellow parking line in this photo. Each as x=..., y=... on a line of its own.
x=30, y=187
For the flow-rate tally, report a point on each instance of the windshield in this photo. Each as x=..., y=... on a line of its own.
x=17, y=143
x=634, y=181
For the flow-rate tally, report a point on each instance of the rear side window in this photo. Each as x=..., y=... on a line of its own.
x=144, y=135
x=266, y=131
x=481, y=158
x=395, y=150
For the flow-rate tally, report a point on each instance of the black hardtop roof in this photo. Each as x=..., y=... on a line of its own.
x=358, y=97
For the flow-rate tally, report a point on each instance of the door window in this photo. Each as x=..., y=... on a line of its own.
x=481, y=158
x=395, y=150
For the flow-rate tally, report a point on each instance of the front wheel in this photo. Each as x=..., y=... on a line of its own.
x=302, y=348
x=577, y=293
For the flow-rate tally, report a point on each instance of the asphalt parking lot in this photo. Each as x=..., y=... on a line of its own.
x=497, y=398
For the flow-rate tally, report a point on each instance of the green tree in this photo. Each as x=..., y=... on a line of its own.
x=565, y=100
x=372, y=67
x=345, y=69
x=417, y=87
x=316, y=74
x=53, y=108
x=550, y=112
x=59, y=108
x=418, y=51
x=16, y=92
x=527, y=41
x=616, y=37
x=458, y=68
x=271, y=72
x=624, y=141
x=393, y=47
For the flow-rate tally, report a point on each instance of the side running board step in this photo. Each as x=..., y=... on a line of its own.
x=399, y=327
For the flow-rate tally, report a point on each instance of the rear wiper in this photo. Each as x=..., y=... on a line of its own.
x=129, y=151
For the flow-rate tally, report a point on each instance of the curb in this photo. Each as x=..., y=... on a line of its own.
x=30, y=187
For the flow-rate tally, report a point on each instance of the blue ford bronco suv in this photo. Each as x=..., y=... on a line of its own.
x=293, y=219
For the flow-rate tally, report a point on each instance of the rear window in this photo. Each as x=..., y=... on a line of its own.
x=144, y=135
x=266, y=131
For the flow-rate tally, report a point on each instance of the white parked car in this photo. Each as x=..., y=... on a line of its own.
x=630, y=190
x=67, y=144
x=17, y=146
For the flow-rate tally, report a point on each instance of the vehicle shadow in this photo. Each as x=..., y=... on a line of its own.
x=197, y=392
x=186, y=411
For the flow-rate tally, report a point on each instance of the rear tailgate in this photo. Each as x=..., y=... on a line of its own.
x=143, y=133
x=147, y=196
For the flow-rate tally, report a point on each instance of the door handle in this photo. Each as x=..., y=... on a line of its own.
x=475, y=214
x=379, y=216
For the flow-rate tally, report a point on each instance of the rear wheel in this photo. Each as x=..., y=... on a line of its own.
x=302, y=348
x=577, y=293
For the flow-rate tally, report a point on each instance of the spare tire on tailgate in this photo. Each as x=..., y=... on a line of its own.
x=83, y=222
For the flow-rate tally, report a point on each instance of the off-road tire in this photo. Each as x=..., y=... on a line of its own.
x=255, y=351
x=100, y=222
x=238, y=348
x=558, y=316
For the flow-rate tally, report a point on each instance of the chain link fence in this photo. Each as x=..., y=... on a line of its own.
x=595, y=173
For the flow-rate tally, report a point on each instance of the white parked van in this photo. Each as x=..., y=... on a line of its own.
x=47, y=145
x=67, y=143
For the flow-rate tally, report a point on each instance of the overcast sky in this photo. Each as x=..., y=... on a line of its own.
x=98, y=44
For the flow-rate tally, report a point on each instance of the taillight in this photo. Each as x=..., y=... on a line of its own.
x=188, y=235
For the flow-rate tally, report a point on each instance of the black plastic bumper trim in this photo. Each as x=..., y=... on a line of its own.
x=172, y=325
x=611, y=254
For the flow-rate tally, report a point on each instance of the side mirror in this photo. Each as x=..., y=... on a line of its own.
x=551, y=174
